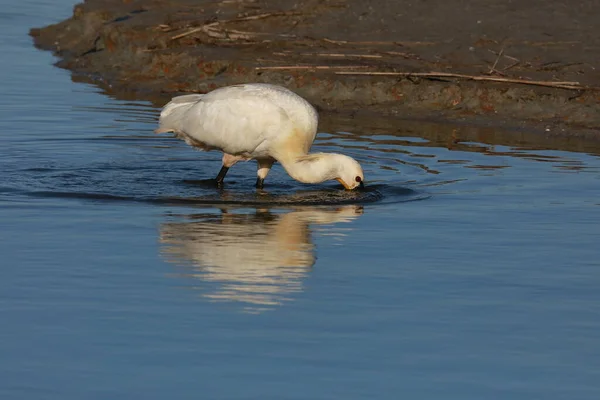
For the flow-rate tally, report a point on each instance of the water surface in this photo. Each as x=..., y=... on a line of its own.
x=468, y=270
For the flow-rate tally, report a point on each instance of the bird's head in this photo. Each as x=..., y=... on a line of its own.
x=350, y=173
x=320, y=167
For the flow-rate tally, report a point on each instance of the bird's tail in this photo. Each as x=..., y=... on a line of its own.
x=170, y=116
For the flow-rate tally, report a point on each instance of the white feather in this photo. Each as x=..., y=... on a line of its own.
x=254, y=121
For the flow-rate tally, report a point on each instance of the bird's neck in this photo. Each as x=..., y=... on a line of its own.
x=311, y=168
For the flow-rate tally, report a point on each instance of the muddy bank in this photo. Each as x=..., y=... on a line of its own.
x=388, y=58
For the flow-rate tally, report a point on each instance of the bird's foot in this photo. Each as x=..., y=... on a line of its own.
x=221, y=176
x=260, y=183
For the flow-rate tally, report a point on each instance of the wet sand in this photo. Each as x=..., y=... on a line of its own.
x=384, y=59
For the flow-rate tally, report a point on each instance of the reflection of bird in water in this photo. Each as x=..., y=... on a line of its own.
x=258, y=121
x=257, y=258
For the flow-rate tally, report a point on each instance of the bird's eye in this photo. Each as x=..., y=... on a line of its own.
x=357, y=179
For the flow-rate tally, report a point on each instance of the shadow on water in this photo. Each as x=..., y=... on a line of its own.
x=319, y=197
x=256, y=259
x=128, y=177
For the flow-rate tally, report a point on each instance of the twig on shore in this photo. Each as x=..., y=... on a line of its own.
x=402, y=54
x=202, y=28
x=514, y=64
x=561, y=85
x=552, y=43
x=493, y=68
x=164, y=27
x=265, y=15
x=377, y=43
x=511, y=65
x=210, y=29
x=284, y=67
x=505, y=56
x=228, y=34
x=342, y=55
x=345, y=55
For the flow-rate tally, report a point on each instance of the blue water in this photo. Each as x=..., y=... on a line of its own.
x=466, y=273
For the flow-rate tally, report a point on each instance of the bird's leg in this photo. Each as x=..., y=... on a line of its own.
x=221, y=175
x=228, y=162
x=264, y=166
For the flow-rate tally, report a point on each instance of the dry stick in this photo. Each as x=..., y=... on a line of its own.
x=342, y=55
x=227, y=34
x=335, y=41
x=562, y=85
x=505, y=56
x=511, y=65
x=163, y=27
x=401, y=54
x=493, y=69
x=377, y=42
x=249, y=18
x=280, y=67
x=558, y=43
x=265, y=15
x=192, y=31
x=236, y=35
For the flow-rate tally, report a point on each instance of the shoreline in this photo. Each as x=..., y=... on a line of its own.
x=158, y=49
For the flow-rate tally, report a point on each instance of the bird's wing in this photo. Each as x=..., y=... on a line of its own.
x=171, y=114
x=236, y=123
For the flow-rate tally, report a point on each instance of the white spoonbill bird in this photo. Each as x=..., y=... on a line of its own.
x=258, y=121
